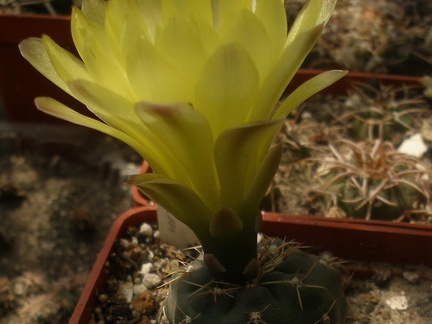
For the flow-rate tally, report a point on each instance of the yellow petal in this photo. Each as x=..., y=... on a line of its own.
x=117, y=15
x=67, y=66
x=33, y=50
x=151, y=76
x=94, y=10
x=301, y=38
x=57, y=109
x=308, y=89
x=227, y=88
x=246, y=30
x=192, y=9
x=273, y=17
x=239, y=154
x=101, y=62
x=314, y=13
x=104, y=103
x=151, y=15
x=225, y=11
x=262, y=180
x=82, y=30
x=119, y=113
x=182, y=48
x=179, y=126
x=126, y=18
x=177, y=198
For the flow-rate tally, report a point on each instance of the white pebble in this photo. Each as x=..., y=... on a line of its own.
x=125, y=290
x=414, y=146
x=146, y=268
x=151, y=280
x=139, y=289
x=156, y=235
x=397, y=302
x=146, y=230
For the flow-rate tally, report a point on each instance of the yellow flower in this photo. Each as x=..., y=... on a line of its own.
x=191, y=85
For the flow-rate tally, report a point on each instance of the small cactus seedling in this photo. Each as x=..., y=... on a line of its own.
x=383, y=112
x=373, y=181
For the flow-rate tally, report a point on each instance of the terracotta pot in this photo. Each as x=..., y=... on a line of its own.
x=138, y=197
x=349, y=239
x=20, y=83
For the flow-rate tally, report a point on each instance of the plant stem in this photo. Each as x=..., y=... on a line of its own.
x=232, y=258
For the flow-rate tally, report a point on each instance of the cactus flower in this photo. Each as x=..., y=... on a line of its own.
x=194, y=87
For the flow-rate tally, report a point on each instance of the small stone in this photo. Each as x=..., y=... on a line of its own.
x=146, y=268
x=137, y=281
x=125, y=290
x=146, y=230
x=151, y=280
x=397, y=302
x=103, y=298
x=124, y=243
x=411, y=277
x=414, y=146
x=139, y=289
x=156, y=235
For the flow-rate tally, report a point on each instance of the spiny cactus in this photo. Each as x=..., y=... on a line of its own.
x=291, y=287
x=373, y=181
x=382, y=112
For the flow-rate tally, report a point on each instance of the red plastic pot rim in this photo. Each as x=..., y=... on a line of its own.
x=360, y=224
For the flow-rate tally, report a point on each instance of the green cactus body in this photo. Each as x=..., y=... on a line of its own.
x=300, y=288
x=377, y=123
x=401, y=195
x=383, y=112
x=371, y=180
